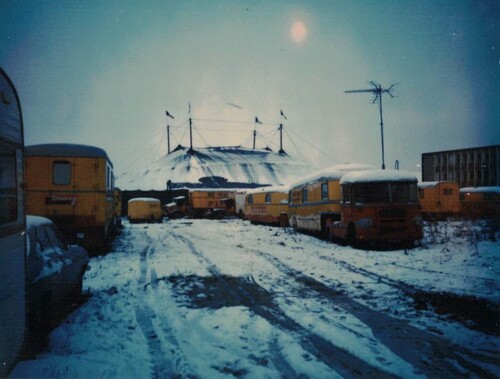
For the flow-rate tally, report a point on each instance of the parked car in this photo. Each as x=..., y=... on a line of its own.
x=54, y=274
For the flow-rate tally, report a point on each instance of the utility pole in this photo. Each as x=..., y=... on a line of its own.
x=282, y=115
x=377, y=91
x=280, y=128
x=168, y=131
x=190, y=131
x=168, y=139
x=255, y=130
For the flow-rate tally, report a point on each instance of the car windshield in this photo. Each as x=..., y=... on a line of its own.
x=384, y=192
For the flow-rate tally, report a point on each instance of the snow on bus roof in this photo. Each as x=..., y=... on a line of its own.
x=282, y=189
x=480, y=189
x=334, y=172
x=144, y=199
x=427, y=184
x=378, y=176
x=66, y=150
x=434, y=184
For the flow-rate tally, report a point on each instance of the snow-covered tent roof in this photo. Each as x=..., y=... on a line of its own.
x=215, y=167
x=378, y=176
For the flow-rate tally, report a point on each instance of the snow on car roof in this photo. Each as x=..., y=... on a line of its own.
x=144, y=199
x=282, y=189
x=331, y=173
x=378, y=176
x=66, y=150
x=480, y=189
x=34, y=221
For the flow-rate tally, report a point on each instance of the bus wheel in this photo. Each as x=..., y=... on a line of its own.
x=351, y=235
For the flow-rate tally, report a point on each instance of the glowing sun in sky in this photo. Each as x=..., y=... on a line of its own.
x=298, y=31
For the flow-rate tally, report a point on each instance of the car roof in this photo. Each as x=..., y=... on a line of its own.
x=34, y=221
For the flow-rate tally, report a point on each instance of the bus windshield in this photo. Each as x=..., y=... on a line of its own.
x=384, y=192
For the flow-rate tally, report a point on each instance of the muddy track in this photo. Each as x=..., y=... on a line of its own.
x=427, y=352
x=167, y=358
x=248, y=293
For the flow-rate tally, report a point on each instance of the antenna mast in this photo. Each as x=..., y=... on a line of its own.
x=377, y=91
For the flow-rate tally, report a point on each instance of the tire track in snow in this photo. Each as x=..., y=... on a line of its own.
x=167, y=359
x=428, y=353
x=338, y=359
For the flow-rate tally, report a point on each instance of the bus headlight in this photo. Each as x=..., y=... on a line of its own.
x=364, y=223
x=418, y=221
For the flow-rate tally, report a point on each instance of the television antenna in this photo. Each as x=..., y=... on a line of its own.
x=377, y=92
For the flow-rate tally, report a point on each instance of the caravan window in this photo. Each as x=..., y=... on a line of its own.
x=8, y=188
x=61, y=173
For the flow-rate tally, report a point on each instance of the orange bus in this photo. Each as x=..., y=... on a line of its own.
x=379, y=206
x=267, y=205
x=314, y=201
x=439, y=199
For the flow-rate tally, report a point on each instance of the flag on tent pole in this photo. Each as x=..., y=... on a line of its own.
x=283, y=115
x=168, y=114
x=257, y=121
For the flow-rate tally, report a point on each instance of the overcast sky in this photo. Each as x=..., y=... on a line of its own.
x=104, y=72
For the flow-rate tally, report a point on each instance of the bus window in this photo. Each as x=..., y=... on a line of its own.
x=8, y=190
x=404, y=192
x=324, y=191
x=61, y=173
x=371, y=193
x=304, y=195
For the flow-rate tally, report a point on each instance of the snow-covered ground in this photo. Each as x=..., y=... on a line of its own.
x=213, y=299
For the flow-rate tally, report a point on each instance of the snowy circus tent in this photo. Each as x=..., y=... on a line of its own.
x=215, y=167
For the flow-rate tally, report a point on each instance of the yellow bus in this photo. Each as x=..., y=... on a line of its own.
x=267, y=205
x=314, y=201
x=144, y=209
x=73, y=185
x=12, y=228
x=439, y=199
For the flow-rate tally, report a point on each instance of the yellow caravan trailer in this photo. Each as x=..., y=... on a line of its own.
x=314, y=201
x=72, y=185
x=144, y=209
x=212, y=203
x=439, y=199
x=267, y=205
